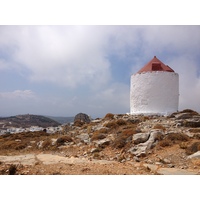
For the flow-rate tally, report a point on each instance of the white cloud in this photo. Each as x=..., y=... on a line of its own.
x=18, y=94
x=65, y=55
x=18, y=102
x=76, y=56
x=114, y=99
x=189, y=82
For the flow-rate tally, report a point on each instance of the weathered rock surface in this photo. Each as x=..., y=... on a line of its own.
x=103, y=142
x=142, y=148
x=84, y=137
x=140, y=138
x=194, y=156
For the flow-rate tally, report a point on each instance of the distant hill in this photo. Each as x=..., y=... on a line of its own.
x=62, y=120
x=26, y=121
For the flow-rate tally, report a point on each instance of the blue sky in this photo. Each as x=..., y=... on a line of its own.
x=64, y=70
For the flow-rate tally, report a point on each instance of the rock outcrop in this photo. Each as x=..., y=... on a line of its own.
x=82, y=117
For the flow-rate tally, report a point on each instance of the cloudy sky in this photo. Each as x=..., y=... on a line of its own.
x=64, y=70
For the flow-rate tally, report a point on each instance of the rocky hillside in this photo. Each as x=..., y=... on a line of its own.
x=26, y=121
x=62, y=120
x=115, y=144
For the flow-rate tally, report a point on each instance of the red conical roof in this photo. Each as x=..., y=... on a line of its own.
x=155, y=65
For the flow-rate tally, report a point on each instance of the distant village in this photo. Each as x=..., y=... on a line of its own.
x=13, y=130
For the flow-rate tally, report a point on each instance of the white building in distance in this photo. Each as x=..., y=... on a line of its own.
x=154, y=89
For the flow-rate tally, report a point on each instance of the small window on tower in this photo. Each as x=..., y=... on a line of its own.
x=156, y=66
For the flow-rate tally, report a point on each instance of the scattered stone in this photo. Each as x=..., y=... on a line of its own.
x=102, y=143
x=166, y=161
x=158, y=163
x=84, y=137
x=151, y=167
x=140, y=138
x=136, y=159
x=53, y=141
x=39, y=144
x=93, y=150
x=171, y=165
x=149, y=161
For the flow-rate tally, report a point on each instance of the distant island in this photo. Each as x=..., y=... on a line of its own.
x=26, y=121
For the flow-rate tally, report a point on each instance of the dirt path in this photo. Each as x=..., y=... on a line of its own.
x=54, y=164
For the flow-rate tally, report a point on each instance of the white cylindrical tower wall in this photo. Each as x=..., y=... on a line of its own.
x=155, y=92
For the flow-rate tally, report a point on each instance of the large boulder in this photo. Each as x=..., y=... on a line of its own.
x=82, y=117
x=142, y=148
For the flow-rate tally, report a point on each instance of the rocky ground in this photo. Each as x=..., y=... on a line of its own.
x=115, y=144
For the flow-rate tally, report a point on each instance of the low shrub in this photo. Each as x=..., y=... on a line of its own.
x=46, y=144
x=109, y=116
x=97, y=135
x=79, y=123
x=189, y=111
x=165, y=143
x=12, y=169
x=193, y=148
x=123, y=138
x=177, y=137
x=183, y=145
x=192, y=124
x=121, y=122
x=119, y=142
x=195, y=130
x=111, y=124
x=9, y=145
x=129, y=132
x=63, y=139
x=159, y=126
x=20, y=146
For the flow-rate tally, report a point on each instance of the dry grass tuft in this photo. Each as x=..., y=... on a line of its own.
x=109, y=116
x=111, y=124
x=183, y=145
x=123, y=138
x=159, y=126
x=177, y=137
x=47, y=144
x=195, y=130
x=193, y=148
x=97, y=136
x=191, y=124
x=189, y=111
x=61, y=140
x=173, y=138
x=165, y=143
x=121, y=122
x=79, y=123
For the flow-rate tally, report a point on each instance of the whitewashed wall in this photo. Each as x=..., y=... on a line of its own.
x=154, y=93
